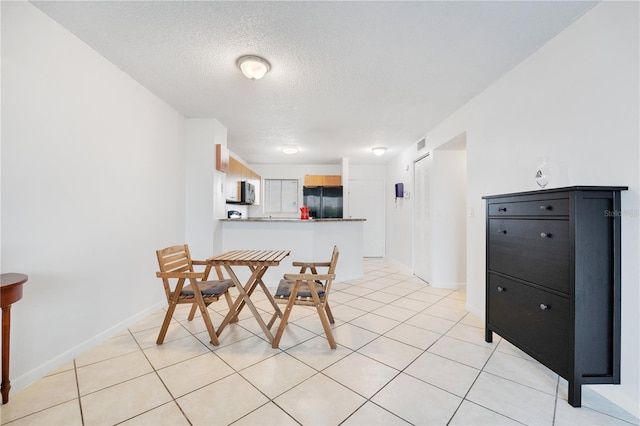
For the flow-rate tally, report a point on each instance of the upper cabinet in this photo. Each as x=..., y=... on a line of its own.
x=236, y=173
x=222, y=158
x=313, y=180
x=322, y=180
x=332, y=180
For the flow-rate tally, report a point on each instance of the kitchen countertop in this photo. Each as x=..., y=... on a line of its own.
x=290, y=219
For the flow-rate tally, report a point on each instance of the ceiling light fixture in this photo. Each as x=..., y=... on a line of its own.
x=379, y=150
x=253, y=67
x=290, y=149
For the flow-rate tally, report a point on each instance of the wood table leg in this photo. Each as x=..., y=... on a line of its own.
x=233, y=312
x=257, y=278
x=10, y=292
x=248, y=288
x=6, y=327
x=245, y=299
x=278, y=313
x=245, y=291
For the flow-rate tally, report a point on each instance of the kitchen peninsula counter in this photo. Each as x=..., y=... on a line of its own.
x=286, y=219
x=308, y=240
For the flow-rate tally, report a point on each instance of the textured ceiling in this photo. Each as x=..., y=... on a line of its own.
x=345, y=76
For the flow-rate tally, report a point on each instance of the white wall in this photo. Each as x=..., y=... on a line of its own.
x=205, y=194
x=364, y=172
x=399, y=212
x=92, y=184
x=576, y=102
x=449, y=216
x=366, y=200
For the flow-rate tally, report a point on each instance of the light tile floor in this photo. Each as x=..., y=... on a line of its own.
x=407, y=354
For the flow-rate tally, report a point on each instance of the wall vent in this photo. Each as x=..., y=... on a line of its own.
x=422, y=144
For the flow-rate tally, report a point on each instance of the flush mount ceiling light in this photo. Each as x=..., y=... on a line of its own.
x=253, y=67
x=290, y=149
x=379, y=150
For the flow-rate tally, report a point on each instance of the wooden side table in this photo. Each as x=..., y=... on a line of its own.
x=10, y=292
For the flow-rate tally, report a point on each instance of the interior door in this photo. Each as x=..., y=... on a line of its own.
x=422, y=220
x=366, y=201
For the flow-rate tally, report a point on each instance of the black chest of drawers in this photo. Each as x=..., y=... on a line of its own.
x=553, y=279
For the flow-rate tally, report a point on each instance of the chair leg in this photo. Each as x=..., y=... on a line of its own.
x=192, y=313
x=285, y=315
x=283, y=324
x=165, y=323
x=329, y=313
x=209, y=324
x=205, y=316
x=326, y=326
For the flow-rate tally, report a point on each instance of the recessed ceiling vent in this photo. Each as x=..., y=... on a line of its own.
x=421, y=144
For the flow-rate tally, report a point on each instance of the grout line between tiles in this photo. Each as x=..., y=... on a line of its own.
x=493, y=351
x=75, y=372
x=370, y=399
x=555, y=402
x=155, y=371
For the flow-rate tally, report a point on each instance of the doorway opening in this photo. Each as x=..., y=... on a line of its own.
x=440, y=222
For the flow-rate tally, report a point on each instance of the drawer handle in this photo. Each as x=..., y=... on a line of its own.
x=501, y=289
x=546, y=207
x=544, y=307
x=545, y=234
x=502, y=231
x=502, y=209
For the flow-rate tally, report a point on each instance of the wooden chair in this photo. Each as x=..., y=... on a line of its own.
x=176, y=267
x=308, y=288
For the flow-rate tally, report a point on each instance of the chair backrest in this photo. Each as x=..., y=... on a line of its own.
x=332, y=267
x=174, y=259
x=334, y=260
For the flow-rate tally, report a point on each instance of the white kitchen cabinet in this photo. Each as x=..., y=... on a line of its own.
x=281, y=195
x=290, y=196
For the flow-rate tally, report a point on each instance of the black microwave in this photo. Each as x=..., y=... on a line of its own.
x=247, y=192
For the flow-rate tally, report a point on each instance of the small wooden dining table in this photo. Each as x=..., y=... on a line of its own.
x=258, y=261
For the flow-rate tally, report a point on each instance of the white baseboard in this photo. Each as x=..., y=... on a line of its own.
x=622, y=399
x=449, y=285
x=475, y=310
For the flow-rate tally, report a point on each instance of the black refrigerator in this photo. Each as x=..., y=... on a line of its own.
x=323, y=201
